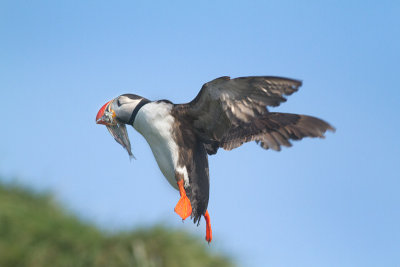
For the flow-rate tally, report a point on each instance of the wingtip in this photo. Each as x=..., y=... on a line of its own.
x=332, y=129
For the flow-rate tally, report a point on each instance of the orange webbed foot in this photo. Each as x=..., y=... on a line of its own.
x=183, y=208
x=208, y=227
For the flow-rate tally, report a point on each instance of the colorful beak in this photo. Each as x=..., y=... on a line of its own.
x=101, y=117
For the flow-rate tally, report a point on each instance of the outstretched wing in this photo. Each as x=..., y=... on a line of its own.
x=224, y=103
x=228, y=112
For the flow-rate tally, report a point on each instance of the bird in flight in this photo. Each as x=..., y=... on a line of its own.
x=225, y=114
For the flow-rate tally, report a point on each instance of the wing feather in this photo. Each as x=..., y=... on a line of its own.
x=224, y=102
x=275, y=130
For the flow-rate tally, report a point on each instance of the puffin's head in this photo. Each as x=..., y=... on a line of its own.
x=118, y=112
x=120, y=109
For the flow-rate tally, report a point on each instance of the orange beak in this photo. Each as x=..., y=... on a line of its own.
x=102, y=118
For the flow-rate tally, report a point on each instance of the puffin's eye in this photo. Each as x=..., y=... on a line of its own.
x=118, y=103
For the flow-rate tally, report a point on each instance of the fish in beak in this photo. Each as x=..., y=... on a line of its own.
x=107, y=117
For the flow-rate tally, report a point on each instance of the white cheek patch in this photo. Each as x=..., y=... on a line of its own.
x=124, y=106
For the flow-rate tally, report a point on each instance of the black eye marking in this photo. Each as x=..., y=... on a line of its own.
x=118, y=103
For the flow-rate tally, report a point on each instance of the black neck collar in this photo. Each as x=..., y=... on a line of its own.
x=136, y=110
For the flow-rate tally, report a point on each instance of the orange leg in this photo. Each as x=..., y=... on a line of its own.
x=208, y=227
x=183, y=208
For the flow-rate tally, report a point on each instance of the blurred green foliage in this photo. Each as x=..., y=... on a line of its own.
x=36, y=232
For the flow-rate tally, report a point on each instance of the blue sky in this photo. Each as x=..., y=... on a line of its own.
x=331, y=202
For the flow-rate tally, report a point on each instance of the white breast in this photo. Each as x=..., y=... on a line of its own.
x=155, y=122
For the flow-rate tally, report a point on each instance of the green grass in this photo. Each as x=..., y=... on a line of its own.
x=36, y=232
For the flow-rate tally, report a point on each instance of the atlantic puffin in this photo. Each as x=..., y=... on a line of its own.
x=225, y=114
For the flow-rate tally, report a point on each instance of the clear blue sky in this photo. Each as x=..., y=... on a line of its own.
x=332, y=202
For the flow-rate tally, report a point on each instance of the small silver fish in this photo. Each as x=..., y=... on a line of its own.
x=120, y=134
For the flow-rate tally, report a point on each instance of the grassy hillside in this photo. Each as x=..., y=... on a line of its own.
x=36, y=232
